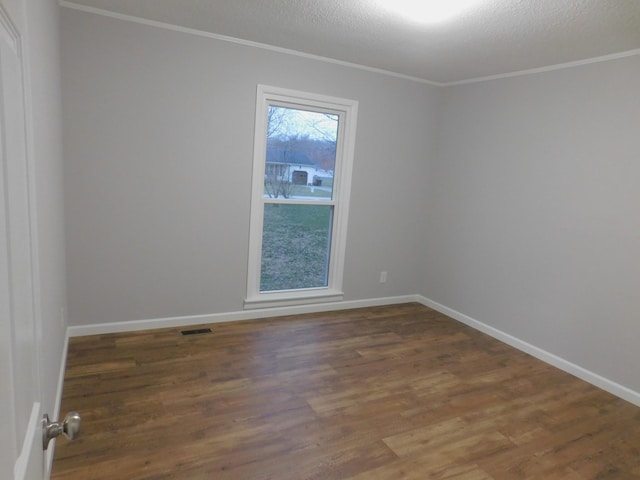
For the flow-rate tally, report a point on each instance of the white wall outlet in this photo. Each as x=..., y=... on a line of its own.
x=383, y=277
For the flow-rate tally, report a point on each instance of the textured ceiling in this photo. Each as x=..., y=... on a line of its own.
x=495, y=38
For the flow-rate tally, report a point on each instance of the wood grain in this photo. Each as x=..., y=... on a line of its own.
x=396, y=392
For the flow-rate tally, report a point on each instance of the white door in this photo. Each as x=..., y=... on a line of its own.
x=21, y=453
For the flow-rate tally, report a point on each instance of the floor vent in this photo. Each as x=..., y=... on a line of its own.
x=197, y=331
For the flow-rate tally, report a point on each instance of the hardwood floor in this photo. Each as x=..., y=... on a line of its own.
x=397, y=392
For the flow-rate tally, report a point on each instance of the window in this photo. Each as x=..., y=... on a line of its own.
x=303, y=155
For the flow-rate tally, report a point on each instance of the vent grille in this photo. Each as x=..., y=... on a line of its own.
x=197, y=331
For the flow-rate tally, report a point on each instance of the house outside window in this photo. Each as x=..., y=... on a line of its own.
x=303, y=156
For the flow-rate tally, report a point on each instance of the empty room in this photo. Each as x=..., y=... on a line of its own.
x=321, y=240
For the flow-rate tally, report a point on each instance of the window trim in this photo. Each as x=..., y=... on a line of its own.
x=348, y=111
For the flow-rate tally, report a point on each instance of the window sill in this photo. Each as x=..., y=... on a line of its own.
x=289, y=299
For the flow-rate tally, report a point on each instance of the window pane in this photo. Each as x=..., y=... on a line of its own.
x=301, y=154
x=296, y=241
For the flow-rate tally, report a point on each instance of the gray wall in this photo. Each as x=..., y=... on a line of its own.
x=158, y=145
x=512, y=201
x=534, y=223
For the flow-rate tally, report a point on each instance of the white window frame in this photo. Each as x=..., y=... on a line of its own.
x=347, y=110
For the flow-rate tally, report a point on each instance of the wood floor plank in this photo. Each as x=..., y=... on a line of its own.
x=392, y=392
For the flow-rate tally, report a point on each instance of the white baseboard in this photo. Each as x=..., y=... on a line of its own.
x=100, y=328
x=565, y=365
